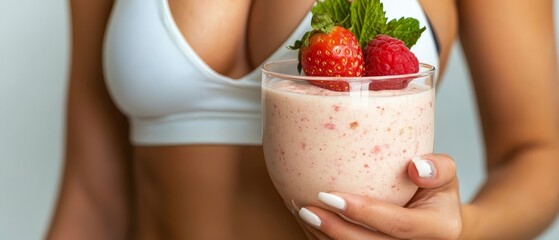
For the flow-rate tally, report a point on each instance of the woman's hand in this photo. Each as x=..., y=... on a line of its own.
x=432, y=213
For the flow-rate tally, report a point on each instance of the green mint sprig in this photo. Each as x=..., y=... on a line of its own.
x=338, y=11
x=367, y=18
x=405, y=29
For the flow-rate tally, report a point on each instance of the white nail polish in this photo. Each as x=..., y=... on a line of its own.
x=332, y=200
x=425, y=168
x=294, y=208
x=310, y=217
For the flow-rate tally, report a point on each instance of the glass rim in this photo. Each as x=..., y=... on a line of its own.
x=428, y=70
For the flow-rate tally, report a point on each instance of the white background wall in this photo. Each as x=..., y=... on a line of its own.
x=33, y=71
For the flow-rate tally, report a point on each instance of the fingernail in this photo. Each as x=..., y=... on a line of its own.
x=425, y=168
x=294, y=207
x=309, y=217
x=332, y=200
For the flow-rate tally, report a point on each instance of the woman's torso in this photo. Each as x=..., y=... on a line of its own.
x=212, y=190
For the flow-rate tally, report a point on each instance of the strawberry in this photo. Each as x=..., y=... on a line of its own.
x=334, y=54
x=385, y=55
x=330, y=52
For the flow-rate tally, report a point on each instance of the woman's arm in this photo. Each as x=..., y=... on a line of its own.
x=510, y=48
x=95, y=193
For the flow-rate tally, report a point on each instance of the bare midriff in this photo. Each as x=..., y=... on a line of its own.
x=207, y=192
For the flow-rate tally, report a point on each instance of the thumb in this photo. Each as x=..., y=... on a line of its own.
x=432, y=171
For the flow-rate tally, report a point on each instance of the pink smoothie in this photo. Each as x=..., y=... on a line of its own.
x=320, y=140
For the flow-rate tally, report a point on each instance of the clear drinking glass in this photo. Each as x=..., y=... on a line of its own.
x=359, y=141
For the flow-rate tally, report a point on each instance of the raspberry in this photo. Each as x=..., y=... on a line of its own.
x=386, y=55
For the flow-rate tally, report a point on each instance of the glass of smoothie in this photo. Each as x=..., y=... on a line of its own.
x=359, y=141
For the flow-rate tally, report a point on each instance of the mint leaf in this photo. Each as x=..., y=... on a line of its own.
x=405, y=29
x=367, y=20
x=322, y=22
x=338, y=10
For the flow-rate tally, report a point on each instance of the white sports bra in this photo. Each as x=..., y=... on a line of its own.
x=172, y=97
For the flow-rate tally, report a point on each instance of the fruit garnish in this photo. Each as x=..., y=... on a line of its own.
x=330, y=51
x=386, y=55
x=365, y=19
